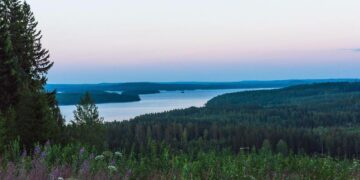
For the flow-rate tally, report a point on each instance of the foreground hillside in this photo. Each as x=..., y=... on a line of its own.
x=77, y=162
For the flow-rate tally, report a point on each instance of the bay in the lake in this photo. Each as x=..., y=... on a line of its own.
x=153, y=103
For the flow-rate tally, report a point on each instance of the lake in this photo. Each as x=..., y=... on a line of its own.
x=152, y=103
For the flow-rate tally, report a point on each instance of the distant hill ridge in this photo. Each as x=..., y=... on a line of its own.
x=170, y=86
x=289, y=95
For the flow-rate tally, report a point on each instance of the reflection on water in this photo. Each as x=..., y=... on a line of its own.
x=151, y=103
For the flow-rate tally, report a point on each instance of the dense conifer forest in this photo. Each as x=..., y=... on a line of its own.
x=306, y=119
x=299, y=132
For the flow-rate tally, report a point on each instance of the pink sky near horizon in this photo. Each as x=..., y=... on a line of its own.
x=286, y=35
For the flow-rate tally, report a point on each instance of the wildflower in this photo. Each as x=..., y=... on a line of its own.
x=118, y=154
x=107, y=154
x=128, y=173
x=37, y=150
x=47, y=144
x=55, y=173
x=249, y=177
x=112, y=168
x=91, y=156
x=24, y=153
x=85, y=168
x=43, y=155
x=82, y=150
x=99, y=157
x=11, y=171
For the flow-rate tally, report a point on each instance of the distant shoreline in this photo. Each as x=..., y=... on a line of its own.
x=106, y=92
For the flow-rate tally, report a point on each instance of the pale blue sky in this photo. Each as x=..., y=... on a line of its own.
x=203, y=40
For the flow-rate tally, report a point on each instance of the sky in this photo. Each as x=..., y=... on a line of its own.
x=93, y=41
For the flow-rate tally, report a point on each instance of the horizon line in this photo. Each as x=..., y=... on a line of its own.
x=250, y=80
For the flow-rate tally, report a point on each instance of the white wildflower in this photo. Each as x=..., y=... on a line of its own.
x=112, y=168
x=107, y=154
x=119, y=154
x=99, y=157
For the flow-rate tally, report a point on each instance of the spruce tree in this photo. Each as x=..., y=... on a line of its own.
x=9, y=77
x=86, y=111
x=88, y=127
x=281, y=147
x=32, y=113
x=33, y=58
x=8, y=63
x=36, y=55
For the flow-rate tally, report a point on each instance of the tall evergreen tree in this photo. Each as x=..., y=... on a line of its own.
x=88, y=127
x=8, y=63
x=33, y=58
x=36, y=55
x=33, y=113
x=9, y=76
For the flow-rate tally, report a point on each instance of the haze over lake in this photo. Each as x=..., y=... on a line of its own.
x=153, y=103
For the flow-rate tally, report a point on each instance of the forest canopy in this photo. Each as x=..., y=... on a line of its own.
x=313, y=119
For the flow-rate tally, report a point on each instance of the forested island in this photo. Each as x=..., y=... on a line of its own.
x=305, y=129
x=70, y=94
x=99, y=97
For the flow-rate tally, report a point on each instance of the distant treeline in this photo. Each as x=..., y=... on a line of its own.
x=69, y=94
x=312, y=119
x=147, y=87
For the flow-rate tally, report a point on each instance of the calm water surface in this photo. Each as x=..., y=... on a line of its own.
x=152, y=103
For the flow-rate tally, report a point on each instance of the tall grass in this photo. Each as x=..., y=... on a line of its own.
x=78, y=162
